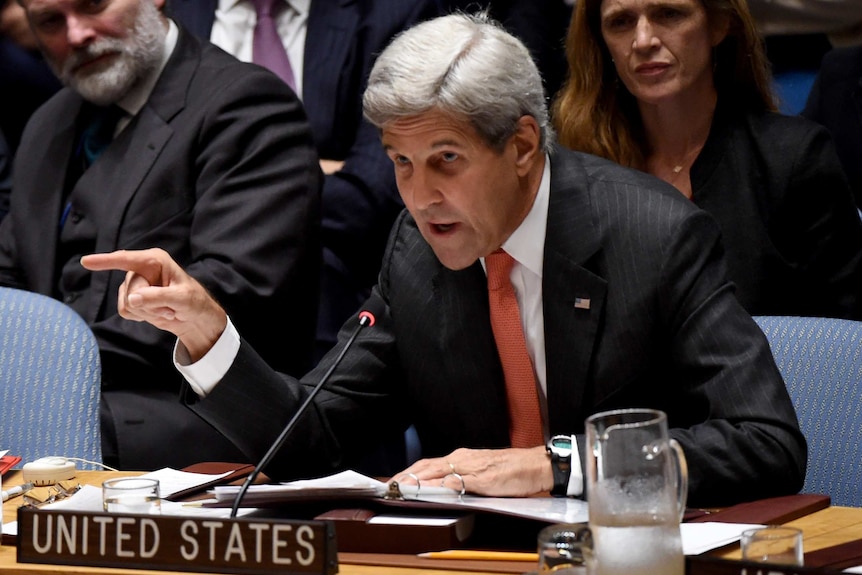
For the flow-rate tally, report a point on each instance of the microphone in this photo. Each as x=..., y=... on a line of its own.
x=367, y=318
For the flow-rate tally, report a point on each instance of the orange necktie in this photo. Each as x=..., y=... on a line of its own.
x=525, y=420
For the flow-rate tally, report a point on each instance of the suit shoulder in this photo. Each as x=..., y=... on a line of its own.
x=217, y=62
x=773, y=125
x=619, y=204
x=781, y=139
x=60, y=109
x=606, y=181
x=407, y=253
x=62, y=102
x=220, y=76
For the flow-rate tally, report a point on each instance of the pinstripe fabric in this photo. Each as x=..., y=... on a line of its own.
x=821, y=360
x=49, y=380
x=663, y=330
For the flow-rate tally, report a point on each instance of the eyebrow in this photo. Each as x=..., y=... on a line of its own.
x=445, y=142
x=434, y=145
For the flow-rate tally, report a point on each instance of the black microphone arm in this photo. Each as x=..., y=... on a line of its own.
x=366, y=319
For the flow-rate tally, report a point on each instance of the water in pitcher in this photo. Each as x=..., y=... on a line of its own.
x=638, y=548
x=635, y=528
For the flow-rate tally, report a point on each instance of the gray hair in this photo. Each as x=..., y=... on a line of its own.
x=464, y=65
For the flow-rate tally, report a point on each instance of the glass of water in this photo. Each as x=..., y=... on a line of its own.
x=566, y=549
x=773, y=544
x=132, y=495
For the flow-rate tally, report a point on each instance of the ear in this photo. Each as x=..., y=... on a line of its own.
x=160, y=4
x=527, y=143
x=718, y=29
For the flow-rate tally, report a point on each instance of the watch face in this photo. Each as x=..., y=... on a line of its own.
x=562, y=444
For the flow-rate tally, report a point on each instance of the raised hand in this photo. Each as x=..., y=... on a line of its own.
x=158, y=291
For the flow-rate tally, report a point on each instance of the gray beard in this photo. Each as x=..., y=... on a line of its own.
x=137, y=55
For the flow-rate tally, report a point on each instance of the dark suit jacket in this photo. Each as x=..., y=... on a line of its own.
x=361, y=201
x=663, y=330
x=5, y=176
x=792, y=233
x=218, y=168
x=836, y=102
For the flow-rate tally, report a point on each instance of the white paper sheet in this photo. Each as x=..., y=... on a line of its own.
x=699, y=538
x=89, y=497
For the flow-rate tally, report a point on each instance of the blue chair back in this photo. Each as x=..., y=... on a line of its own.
x=821, y=361
x=792, y=88
x=50, y=380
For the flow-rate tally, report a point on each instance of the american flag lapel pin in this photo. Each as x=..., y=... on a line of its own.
x=582, y=303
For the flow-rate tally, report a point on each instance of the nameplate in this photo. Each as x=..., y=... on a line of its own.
x=159, y=542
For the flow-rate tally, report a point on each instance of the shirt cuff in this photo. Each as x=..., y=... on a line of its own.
x=575, y=487
x=204, y=374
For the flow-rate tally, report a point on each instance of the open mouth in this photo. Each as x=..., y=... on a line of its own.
x=442, y=228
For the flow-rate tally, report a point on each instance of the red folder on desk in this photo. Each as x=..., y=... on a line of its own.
x=7, y=462
x=768, y=511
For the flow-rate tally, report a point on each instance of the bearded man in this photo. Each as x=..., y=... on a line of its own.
x=161, y=140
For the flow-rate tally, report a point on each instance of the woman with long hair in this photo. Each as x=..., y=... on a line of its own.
x=681, y=89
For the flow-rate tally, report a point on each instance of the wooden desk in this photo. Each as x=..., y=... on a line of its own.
x=10, y=566
x=825, y=528
x=831, y=526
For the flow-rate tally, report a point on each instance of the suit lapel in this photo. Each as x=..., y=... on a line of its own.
x=143, y=139
x=124, y=165
x=145, y=136
x=573, y=296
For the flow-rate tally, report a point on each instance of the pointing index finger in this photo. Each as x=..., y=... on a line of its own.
x=107, y=261
x=142, y=262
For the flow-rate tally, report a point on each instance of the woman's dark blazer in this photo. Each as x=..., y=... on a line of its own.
x=791, y=230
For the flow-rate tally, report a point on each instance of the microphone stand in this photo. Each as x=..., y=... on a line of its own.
x=365, y=319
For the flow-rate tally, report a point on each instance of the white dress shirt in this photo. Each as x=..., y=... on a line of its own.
x=233, y=31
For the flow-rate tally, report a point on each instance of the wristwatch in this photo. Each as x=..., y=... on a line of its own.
x=560, y=449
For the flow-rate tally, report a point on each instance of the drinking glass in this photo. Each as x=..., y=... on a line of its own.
x=772, y=544
x=565, y=549
x=132, y=495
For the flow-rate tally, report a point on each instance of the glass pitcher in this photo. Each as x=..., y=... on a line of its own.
x=637, y=483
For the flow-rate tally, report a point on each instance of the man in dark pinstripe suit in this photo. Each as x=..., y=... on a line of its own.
x=620, y=282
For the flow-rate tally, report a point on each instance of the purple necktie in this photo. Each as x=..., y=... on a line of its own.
x=267, y=48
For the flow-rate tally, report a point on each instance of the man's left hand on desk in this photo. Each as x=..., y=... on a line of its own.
x=492, y=472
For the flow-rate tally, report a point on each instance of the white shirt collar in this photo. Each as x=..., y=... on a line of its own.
x=527, y=243
x=135, y=99
x=301, y=6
